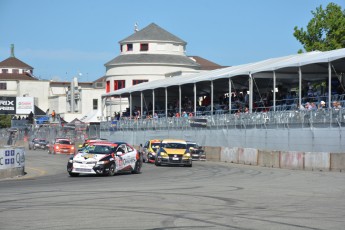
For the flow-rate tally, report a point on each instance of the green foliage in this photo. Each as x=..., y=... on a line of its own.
x=325, y=31
x=5, y=121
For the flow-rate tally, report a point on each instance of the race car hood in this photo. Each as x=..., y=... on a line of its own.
x=175, y=151
x=89, y=156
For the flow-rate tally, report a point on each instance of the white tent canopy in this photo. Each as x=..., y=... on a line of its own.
x=269, y=65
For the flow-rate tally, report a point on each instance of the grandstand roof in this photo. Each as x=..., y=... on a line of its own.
x=266, y=66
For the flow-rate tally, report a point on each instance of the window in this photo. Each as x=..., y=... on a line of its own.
x=95, y=104
x=121, y=48
x=15, y=71
x=119, y=84
x=144, y=47
x=135, y=82
x=107, y=87
x=3, y=85
x=4, y=70
x=129, y=47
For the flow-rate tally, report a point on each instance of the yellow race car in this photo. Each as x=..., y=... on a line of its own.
x=173, y=152
x=150, y=149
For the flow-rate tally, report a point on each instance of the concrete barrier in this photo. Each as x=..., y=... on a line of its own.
x=269, y=158
x=317, y=161
x=248, y=156
x=212, y=153
x=337, y=162
x=292, y=160
x=229, y=154
x=12, y=161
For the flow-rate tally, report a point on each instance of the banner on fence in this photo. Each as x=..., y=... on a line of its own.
x=12, y=158
x=198, y=122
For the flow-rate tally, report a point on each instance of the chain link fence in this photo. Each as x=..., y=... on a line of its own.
x=260, y=120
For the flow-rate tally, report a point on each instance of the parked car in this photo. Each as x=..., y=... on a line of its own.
x=105, y=158
x=150, y=149
x=173, y=152
x=62, y=146
x=196, y=151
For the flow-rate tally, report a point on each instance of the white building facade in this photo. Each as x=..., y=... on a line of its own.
x=147, y=55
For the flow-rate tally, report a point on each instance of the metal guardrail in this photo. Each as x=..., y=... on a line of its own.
x=280, y=119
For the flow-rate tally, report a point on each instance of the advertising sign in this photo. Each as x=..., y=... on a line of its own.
x=12, y=158
x=198, y=122
x=7, y=105
x=25, y=105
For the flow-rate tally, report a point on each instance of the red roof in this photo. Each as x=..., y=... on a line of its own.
x=206, y=64
x=16, y=76
x=13, y=62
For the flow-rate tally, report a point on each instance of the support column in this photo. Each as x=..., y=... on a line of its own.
x=274, y=91
x=250, y=93
x=153, y=102
x=230, y=105
x=299, y=86
x=166, y=102
x=211, y=97
x=120, y=106
x=180, y=99
x=194, y=99
x=141, y=103
x=130, y=105
x=329, y=85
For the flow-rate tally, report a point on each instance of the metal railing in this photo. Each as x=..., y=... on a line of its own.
x=279, y=119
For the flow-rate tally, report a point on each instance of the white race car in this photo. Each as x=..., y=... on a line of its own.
x=105, y=158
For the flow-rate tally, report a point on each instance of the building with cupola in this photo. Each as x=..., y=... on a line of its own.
x=149, y=54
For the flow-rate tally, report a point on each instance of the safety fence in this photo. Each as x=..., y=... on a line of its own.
x=262, y=120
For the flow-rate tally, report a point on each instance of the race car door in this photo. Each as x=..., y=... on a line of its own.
x=126, y=160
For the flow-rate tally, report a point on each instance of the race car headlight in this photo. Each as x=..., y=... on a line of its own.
x=164, y=154
x=70, y=161
x=186, y=155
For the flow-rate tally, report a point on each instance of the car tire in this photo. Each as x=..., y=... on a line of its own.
x=157, y=164
x=111, y=171
x=73, y=174
x=34, y=147
x=138, y=165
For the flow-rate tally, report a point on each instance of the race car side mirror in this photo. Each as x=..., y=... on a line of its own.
x=119, y=153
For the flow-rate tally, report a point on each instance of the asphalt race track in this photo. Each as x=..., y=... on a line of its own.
x=207, y=196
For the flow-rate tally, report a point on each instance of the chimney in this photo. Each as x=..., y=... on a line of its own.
x=12, y=50
x=136, y=27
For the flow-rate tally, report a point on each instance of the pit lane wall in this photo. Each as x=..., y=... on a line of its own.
x=312, y=161
x=12, y=161
x=300, y=149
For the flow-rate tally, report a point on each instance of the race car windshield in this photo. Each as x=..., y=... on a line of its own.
x=64, y=142
x=191, y=145
x=100, y=149
x=174, y=145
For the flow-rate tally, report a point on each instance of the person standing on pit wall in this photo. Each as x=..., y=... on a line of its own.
x=53, y=115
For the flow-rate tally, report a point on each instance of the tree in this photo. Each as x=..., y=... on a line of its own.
x=5, y=121
x=325, y=31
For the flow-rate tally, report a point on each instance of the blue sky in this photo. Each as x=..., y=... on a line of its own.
x=61, y=38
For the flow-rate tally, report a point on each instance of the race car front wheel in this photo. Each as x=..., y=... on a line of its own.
x=111, y=171
x=138, y=164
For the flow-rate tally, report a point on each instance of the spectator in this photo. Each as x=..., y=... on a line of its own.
x=322, y=105
x=155, y=116
x=53, y=115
